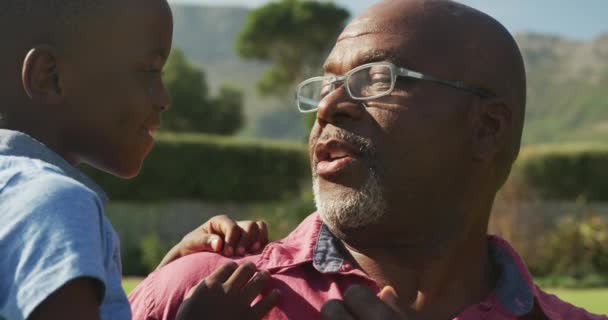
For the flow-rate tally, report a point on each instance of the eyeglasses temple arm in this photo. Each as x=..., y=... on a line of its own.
x=455, y=84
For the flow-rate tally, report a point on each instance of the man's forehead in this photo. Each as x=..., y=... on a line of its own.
x=365, y=40
x=362, y=26
x=341, y=63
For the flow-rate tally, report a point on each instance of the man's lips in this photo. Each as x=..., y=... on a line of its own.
x=333, y=156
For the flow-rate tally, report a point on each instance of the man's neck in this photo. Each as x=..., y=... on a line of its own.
x=436, y=286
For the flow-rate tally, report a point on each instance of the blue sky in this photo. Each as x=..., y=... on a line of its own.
x=582, y=19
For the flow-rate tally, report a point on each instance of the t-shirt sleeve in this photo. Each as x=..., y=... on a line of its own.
x=50, y=234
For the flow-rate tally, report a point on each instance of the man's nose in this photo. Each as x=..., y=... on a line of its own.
x=339, y=106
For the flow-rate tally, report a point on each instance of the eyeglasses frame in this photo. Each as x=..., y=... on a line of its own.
x=395, y=72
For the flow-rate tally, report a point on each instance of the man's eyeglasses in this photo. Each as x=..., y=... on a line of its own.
x=367, y=82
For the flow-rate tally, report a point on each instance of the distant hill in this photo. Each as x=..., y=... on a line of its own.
x=567, y=88
x=567, y=80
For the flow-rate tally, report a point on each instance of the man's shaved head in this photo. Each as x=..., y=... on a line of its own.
x=471, y=46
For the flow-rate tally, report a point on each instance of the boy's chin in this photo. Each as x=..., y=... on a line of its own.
x=123, y=169
x=128, y=172
x=127, y=175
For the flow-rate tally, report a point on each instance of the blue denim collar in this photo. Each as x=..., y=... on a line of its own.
x=18, y=144
x=326, y=257
x=512, y=291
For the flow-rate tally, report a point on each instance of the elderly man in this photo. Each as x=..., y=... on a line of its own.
x=419, y=118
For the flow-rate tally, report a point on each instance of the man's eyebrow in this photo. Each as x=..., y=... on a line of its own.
x=376, y=55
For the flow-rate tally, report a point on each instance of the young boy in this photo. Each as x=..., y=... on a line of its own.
x=81, y=83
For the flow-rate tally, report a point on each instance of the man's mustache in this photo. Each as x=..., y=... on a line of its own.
x=364, y=145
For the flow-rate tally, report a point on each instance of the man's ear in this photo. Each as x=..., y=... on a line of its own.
x=40, y=76
x=492, y=128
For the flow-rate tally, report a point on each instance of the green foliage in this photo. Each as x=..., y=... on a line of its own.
x=294, y=35
x=566, y=172
x=207, y=36
x=283, y=216
x=192, y=110
x=152, y=251
x=132, y=263
x=141, y=258
x=213, y=168
x=576, y=248
x=229, y=111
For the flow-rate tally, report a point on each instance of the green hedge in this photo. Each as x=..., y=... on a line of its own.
x=566, y=172
x=212, y=168
x=219, y=169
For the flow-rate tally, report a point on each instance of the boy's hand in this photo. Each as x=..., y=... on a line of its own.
x=223, y=235
x=228, y=293
x=361, y=304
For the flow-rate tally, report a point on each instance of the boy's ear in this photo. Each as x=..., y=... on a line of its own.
x=40, y=77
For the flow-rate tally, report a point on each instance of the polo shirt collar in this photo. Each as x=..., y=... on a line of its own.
x=14, y=143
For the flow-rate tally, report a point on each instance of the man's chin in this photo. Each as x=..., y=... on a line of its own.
x=343, y=231
x=348, y=210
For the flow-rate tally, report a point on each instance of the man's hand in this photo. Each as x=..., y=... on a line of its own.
x=223, y=235
x=361, y=304
x=228, y=294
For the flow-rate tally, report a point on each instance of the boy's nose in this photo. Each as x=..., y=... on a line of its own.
x=163, y=101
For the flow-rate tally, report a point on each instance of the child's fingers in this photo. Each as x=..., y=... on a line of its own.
x=225, y=226
x=200, y=241
x=249, y=236
x=239, y=278
x=201, y=285
x=221, y=274
x=255, y=286
x=389, y=296
x=263, y=235
x=335, y=310
x=262, y=307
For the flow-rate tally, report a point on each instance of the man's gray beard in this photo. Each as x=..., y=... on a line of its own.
x=352, y=209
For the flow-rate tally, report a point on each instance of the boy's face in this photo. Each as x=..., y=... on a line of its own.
x=113, y=89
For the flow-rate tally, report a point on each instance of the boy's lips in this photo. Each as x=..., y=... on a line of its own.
x=150, y=130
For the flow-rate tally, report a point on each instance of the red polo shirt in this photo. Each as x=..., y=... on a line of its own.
x=309, y=268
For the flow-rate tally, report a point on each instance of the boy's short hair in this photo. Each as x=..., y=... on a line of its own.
x=56, y=21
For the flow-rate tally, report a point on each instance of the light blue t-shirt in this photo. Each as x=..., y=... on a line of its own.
x=52, y=230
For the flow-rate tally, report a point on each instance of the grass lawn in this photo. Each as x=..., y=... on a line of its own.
x=129, y=283
x=594, y=300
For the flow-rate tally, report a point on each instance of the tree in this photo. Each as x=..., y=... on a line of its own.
x=229, y=106
x=192, y=108
x=295, y=36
